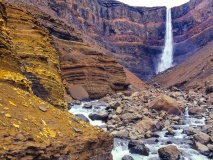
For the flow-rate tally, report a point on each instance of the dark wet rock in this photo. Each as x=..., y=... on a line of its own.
x=170, y=152
x=82, y=117
x=190, y=131
x=138, y=147
x=76, y=102
x=87, y=106
x=127, y=157
x=103, y=115
x=209, y=89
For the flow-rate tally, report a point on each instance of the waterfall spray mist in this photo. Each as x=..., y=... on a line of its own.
x=166, y=58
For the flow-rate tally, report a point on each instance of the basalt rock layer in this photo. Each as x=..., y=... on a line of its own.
x=34, y=122
x=135, y=35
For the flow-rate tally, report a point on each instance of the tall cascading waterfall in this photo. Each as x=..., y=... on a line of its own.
x=166, y=58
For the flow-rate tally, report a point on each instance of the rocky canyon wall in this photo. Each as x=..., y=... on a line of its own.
x=31, y=89
x=135, y=35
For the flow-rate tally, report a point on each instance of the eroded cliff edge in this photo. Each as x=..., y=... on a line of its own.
x=34, y=120
x=135, y=35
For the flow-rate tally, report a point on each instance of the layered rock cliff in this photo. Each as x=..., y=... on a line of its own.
x=80, y=63
x=135, y=35
x=32, y=126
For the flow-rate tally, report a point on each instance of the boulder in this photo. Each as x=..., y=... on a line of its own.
x=210, y=147
x=170, y=132
x=114, y=105
x=167, y=104
x=209, y=89
x=197, y=110
x=127, y=157
x=202, y=138
x=133, y=143
x=211, y=115
x=87, y=106
x=190, y=131
x=202, y=148
x=78, y=92
x=123, y=133
x=82, y=117
x=170, y=152
x=137, y=147
x=103, y=115
x=146, y=124
x=119, y=110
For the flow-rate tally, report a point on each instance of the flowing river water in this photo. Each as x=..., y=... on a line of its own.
x=120, y=149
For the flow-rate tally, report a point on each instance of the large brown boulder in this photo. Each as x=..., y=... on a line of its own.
x=78, y=92
x=169, y=153
x=144, y=125
x=166, y=103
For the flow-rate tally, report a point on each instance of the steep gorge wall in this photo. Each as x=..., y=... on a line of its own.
x=80, y=63
x=32, y=128
x=135, y=35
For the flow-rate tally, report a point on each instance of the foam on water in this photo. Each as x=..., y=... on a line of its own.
x=78, y=109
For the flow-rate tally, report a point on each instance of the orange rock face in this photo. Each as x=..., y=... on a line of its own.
x=31, y=125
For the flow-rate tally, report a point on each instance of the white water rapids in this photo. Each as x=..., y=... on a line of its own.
x=181, y=140
x=166, y=58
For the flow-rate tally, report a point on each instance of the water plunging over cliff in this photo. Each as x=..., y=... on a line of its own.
x=166, y=58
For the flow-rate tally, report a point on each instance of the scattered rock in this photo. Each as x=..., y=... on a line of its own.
x=78, y=92
x=123, y=134
x=170, y=152
x=87, y=106
x=202, y=148
x=170, y=132
x=137, y=147
x=103, y=115
x=76, y=130
x=42, y=108
x=114, y=105
x=190, y=131
x=8, y=115
x=202, y=138
x=82, y=117
x=197, y=110
x=166, y=103
x=119, y=110
x=127, y=157
x=144, y=125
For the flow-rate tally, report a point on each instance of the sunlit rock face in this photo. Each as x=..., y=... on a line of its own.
x=31, y=89
x=135, y=35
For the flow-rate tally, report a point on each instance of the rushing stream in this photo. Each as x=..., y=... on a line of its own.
x=182, y=141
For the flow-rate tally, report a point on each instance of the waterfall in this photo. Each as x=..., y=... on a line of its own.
x=166, y=58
